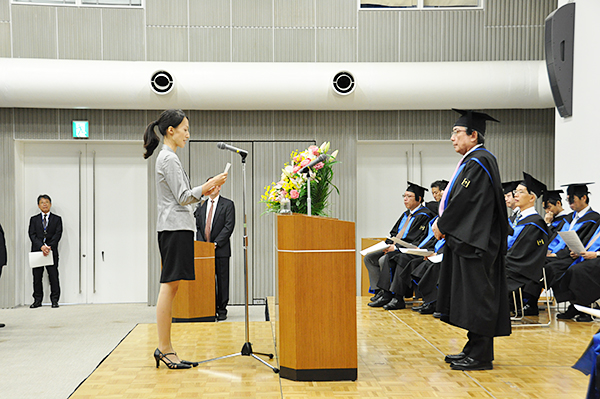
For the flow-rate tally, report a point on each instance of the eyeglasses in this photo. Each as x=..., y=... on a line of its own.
x=408, y=196
x=455, y=132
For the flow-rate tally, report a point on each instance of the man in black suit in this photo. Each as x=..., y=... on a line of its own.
x=45, y=231
x=3, y=256
x=220, y=214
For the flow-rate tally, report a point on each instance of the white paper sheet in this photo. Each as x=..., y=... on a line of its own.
x=404, y=244
x=227, y=167
x=37, y=259
x=377, y=247
x=416, y=251
x=572, y=240
x=437, y=258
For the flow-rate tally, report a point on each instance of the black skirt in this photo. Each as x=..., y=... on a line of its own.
x=177, y=255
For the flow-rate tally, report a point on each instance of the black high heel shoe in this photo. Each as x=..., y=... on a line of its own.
x=158, y=356
x=193, y=364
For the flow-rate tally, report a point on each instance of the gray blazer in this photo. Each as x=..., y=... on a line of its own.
x=174, y=196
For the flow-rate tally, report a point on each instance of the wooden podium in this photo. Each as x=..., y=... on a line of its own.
x=195, y=300
x=317, y=298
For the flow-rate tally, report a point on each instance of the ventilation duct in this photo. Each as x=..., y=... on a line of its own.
x=161, y=82
x=43, y=83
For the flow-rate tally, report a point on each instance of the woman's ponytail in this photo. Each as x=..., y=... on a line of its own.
x=151, y=139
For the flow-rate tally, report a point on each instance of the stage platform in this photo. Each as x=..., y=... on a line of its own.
x=400, y=355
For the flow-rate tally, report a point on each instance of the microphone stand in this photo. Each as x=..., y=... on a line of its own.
x=308, y=198
x=247, y=347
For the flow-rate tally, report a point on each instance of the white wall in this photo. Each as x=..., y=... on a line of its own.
x=578, y=137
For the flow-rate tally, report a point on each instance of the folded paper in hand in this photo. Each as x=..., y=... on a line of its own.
x=377, y=247
x=416, y=251
x=37, y=259
x=403, y=244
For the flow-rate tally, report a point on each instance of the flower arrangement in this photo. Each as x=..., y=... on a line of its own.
x=293, y=185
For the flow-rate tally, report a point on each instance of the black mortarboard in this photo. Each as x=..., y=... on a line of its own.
x=415, y=188
x=473, y=120
x=578, y=189
x=533, y=185
x=510, y=186
x=552, y=195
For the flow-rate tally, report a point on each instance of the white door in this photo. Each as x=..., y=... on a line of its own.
x=100, y=191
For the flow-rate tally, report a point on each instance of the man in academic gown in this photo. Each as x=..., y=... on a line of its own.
x=472, y=288
x=412, y=227
x=555, y=214
x=393, y=272
x=437, y=190
x=580, y=283
x=509, y=198
x=527, y=246
x=583, y=220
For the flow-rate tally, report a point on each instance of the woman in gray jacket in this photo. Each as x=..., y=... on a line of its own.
x=176, y=225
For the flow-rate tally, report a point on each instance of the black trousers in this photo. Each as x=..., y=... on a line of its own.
x=479, y=347
x=38, y=290
x=222, y=281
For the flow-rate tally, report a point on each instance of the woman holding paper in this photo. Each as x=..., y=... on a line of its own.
x=176, y=224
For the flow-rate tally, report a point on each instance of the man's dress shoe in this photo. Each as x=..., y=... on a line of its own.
x=437, y=315
x=454, y=358
x=222, y=316
x=384, y=300
x=529, y=310
x=35, y=305
x=468, y=363
x=417, y=308
x=569, y=314
x=378, y=295
x=54, y=304
x=428, y=309
x=395, y=304
x=583, y=318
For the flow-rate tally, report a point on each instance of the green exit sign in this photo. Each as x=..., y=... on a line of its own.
x=81, y=130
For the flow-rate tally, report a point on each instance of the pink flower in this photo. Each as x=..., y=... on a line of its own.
x=296, y=169
x=294, y=194
x=319, y=165
x=305, y=162
x=313, y=149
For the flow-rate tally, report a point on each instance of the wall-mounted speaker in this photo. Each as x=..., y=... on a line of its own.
x=559, y=37
x=343, y=83
x=161, y=82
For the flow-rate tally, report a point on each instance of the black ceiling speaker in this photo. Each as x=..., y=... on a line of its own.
x=343, y=83
x=560, y=33
x=161, y=82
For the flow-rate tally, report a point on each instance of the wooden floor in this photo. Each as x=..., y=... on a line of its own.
x=400, y=355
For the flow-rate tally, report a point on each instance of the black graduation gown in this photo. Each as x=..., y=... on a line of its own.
x=581, y=283
x=472, y=287
x=418, y=228
x=527, y=254
x=557, y=266
x=556, y=226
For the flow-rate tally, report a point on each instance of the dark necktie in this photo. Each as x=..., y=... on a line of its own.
x=209, y=221
x=45, y=221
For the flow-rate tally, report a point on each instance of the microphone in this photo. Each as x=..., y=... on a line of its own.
x=320, y=158
x=224, y=146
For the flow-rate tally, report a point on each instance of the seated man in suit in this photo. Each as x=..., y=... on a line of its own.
x=437, y=190
x=509, y=198
x=555, y=214
x=412, y=227
x=45, y=231
x=215, y=221
x=527, y=246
